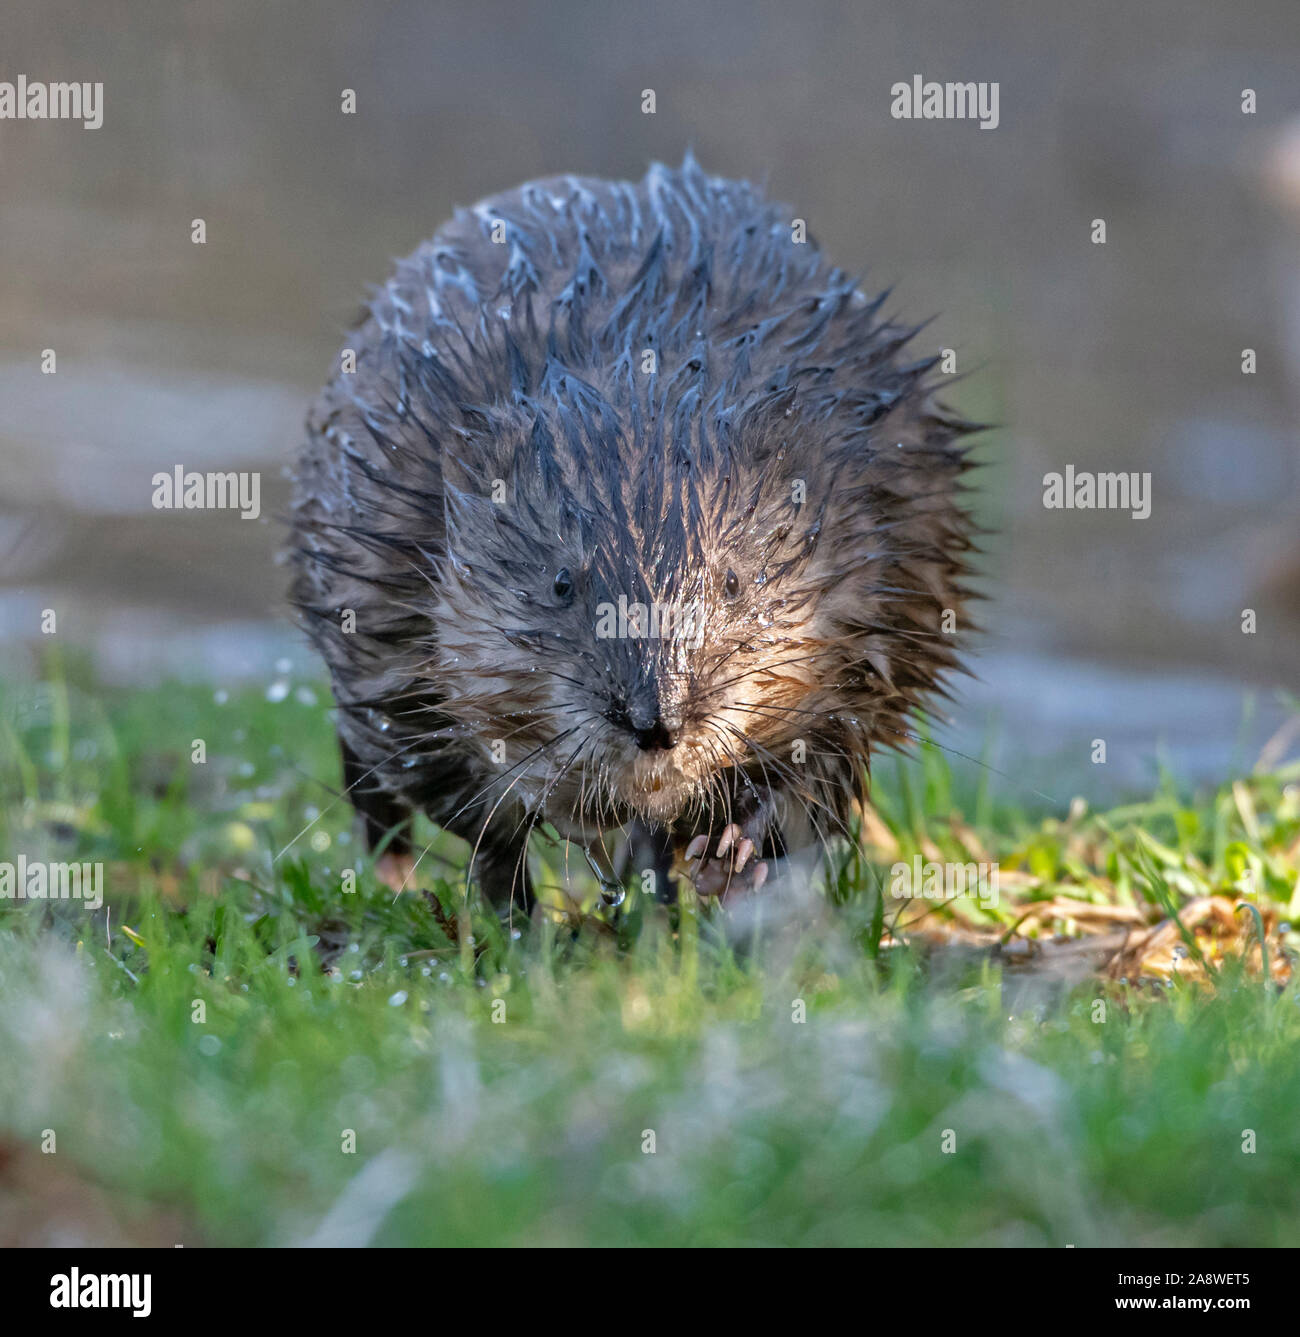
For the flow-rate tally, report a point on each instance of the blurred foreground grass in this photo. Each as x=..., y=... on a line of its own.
x=209, y=1047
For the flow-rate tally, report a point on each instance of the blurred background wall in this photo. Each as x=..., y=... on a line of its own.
x=1124, y=356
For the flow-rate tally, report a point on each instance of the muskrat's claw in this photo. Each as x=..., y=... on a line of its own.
x=720, y=875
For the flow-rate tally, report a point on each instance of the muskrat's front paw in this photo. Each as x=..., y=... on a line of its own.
x=731, y=868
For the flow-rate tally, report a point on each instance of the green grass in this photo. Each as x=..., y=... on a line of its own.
x=225, y=1123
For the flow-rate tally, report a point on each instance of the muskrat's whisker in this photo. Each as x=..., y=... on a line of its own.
x=554, y=783
x=521, y=864
x=944, y=747
x=338, y=799
x=495, y=779
x=766, y=670
x=469, y=869
x=911, y=737
x=797, y=782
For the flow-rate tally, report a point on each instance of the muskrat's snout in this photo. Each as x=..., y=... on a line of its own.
x=646, y=724
x=652, y=757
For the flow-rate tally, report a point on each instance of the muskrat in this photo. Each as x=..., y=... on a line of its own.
x=632, y=515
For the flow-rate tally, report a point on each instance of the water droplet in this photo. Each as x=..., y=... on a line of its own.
x=277, y=691
x=209, y=1045
x=613, y=896
x=397, y=999
x=283, y=665
x=305, y=696
x=221, y=696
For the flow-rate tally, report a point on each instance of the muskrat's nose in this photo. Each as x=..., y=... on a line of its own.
x=645, y=721
x=657, y=736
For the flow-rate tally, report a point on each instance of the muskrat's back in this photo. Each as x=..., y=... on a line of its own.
x=628, y=514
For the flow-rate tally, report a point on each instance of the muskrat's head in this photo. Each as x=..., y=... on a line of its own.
x=622, y=618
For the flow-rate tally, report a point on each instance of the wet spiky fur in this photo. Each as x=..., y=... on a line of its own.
x=655, y=390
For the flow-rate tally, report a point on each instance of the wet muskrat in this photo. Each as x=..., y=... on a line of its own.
x=632, y=515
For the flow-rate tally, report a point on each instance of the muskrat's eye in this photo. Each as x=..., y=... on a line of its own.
x=564, y=585
x=731, y=585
